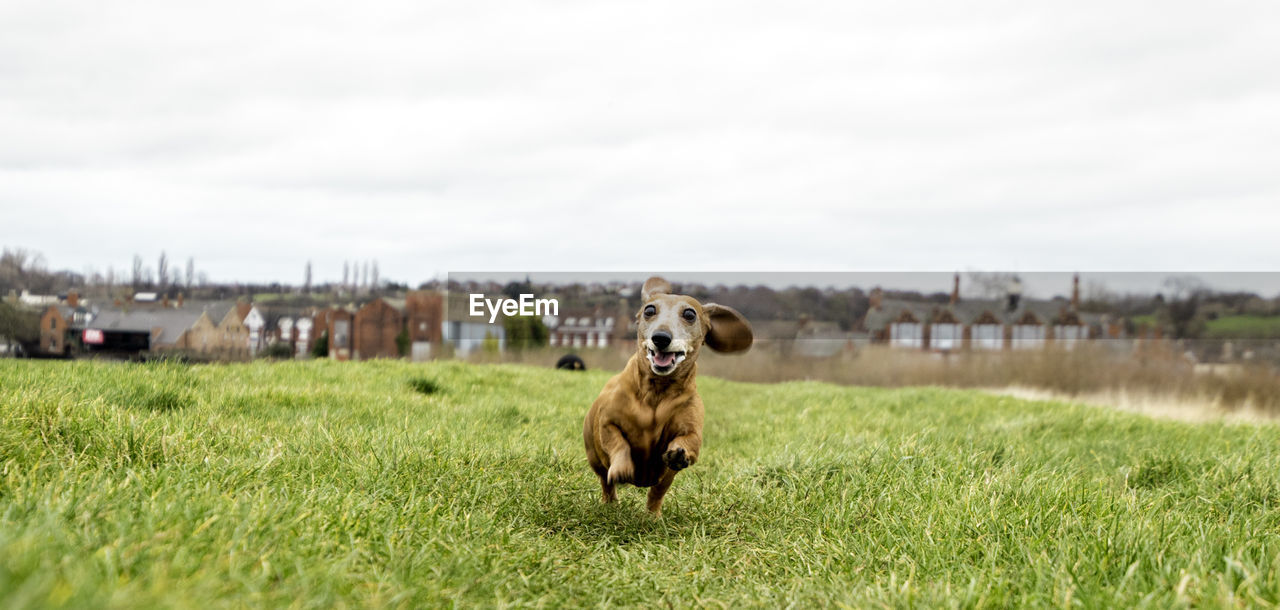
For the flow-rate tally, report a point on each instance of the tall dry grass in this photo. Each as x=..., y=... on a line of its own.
x=1154, y=374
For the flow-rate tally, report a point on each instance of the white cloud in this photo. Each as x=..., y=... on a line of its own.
x=586, y=135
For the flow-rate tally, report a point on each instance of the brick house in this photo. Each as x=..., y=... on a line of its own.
x=321, y=330
x=218, y=331
x=234, y=333
x=55, y=328
x=376, y=327
x=337, y=322
x=370, y=331
x=424, y=318
x=200, y=336
x=58, y=324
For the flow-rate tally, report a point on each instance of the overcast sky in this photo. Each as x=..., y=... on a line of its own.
x=598, y=136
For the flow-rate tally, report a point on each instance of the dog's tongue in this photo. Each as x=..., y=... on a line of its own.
x=664, y=358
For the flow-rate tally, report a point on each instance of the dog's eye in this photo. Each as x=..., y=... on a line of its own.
x=690, y=315
x=649, y=311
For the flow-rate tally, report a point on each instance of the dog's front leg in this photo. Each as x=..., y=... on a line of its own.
x=682, y=451
x=621, y=468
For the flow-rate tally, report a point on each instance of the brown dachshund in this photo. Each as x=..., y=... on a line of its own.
x=646, y=425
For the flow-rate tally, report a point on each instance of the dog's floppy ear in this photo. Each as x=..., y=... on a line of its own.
x=654, y=286
x=730, y=331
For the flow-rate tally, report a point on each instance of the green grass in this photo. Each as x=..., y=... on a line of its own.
x=389, y=484
x=1243, y=327
x=1149, y=320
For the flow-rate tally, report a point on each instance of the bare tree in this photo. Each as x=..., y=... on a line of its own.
x=162, y=271
x=137, y=272
x=16, y=268
x=1182, y=310
x=989, y=285
x=375, y=275
x=1183, y=286
x=191, y=272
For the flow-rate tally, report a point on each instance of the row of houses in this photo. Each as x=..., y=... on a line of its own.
x=587, y=329
x=411, y=327
x=414, y=326
x=426, y=324
x=984, y=324
x=212, y=330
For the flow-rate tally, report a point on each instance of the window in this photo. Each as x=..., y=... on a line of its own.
x=945, y=336
x=906, y=334
x=340, y=330
x=987, y=336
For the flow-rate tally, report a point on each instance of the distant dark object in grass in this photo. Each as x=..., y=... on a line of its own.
x=422, y=385
x=571, y=362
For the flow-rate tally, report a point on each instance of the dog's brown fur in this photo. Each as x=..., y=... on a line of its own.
x=646, y=426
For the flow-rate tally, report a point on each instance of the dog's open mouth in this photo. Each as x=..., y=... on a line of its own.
x=663, y=363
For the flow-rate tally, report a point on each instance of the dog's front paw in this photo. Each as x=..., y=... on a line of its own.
x=676, y=458
x=621, y=472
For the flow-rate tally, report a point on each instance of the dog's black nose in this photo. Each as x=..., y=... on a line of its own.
x=661, y=339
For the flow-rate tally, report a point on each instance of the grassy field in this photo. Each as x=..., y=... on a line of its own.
x=1244, y=327
x=390, y=484
x=1156, y=374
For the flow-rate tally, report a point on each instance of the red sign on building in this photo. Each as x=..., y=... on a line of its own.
x=92, y=336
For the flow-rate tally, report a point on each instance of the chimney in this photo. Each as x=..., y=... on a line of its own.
x=1014, y=294
x=955, y=291
x=73, y=299
x=180, y=299
x=876, y=296
x=1075, y=292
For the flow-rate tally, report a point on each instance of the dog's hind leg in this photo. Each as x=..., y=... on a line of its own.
x=658, y=491
x=608, y=491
